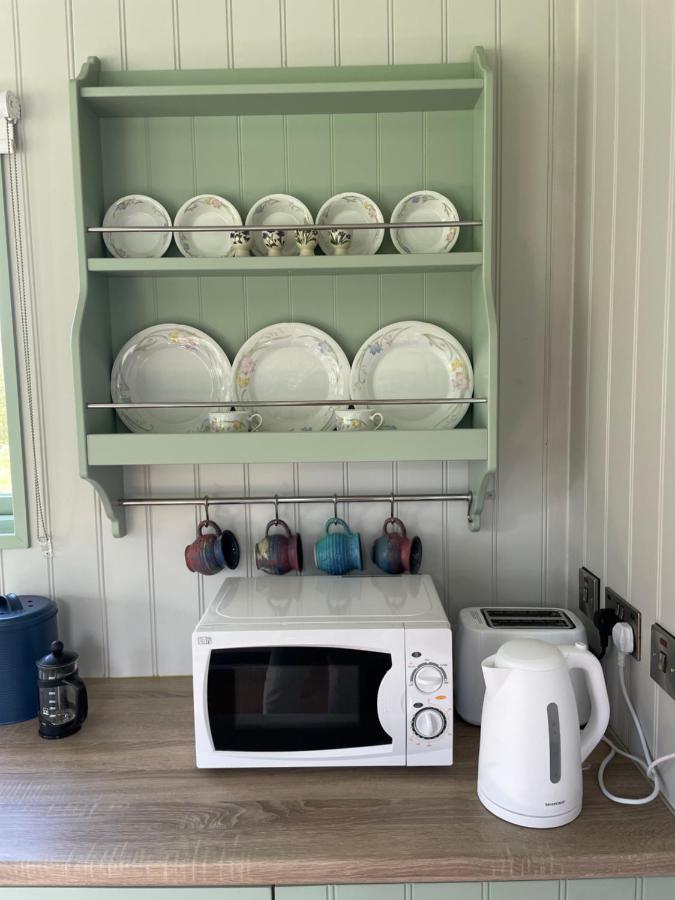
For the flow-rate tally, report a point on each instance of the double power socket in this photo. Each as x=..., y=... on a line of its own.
x=662, y=659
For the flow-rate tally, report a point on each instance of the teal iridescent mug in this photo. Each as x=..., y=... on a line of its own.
x=338, y=552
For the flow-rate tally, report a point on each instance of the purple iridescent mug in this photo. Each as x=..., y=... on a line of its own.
x=277, y=554
x=395, y=552
x=210, y=553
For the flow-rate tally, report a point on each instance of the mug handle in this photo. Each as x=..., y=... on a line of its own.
x=393, y=520
x=280, y=523
x=207, y=523
x=256, y=419
x=377, y=416
x=334, y=520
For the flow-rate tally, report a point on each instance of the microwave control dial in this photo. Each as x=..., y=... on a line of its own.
x=429, y=723
x=428, y=678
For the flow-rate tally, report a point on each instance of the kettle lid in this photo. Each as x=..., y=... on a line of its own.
x=528, y=654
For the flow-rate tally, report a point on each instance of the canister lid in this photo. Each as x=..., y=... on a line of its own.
x=24, y=611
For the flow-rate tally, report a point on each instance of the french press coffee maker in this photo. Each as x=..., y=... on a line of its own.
x=62, y=694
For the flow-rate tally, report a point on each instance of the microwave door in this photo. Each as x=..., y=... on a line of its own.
x=290, y=700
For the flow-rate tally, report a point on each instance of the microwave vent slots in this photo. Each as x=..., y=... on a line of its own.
x=508, y=617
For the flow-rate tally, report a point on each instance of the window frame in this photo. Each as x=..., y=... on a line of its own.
x=13, y=507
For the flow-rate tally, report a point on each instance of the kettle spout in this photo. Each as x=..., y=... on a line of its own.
x=493, y=676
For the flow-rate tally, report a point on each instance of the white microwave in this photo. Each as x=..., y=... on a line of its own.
x=323, y=671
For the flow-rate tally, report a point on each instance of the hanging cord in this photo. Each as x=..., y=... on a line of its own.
x=43, y=537
x=622, y=635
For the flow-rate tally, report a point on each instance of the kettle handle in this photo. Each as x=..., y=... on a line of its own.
x=577, y=658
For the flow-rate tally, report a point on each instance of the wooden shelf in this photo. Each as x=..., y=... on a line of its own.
x=260, y=447
x=384, y=131
x=289, y=265
x=307, y=90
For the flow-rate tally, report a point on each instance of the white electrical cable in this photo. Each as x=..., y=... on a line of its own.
x=622, y=636
x=657, y=762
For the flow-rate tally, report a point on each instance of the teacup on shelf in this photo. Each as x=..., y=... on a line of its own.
x=306, y=239
x=242, y=242
x=231, y=422
x=274, y=241
x=341, y=240
x=358, y=419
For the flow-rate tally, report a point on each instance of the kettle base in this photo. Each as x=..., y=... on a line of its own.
x=529, y=821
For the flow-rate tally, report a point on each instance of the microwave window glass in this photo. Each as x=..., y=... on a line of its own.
x=295, y=698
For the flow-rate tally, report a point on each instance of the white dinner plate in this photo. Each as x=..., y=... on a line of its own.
x=164, y=363
x=424, y=206
x=410, y=360
x=136, y=209
x=343, y=209
x=291, y=361
x=206, y=209
x=273, y=211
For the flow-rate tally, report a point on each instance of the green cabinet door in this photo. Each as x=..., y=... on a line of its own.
x=112, y=893
x=578, y=889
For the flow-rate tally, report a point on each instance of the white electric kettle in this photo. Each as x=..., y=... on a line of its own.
x=531, y=747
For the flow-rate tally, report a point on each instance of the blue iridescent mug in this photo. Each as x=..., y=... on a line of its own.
x=338, y=552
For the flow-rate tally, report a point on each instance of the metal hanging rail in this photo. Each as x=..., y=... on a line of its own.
x=275, y=499
x=341, y=226
x=254, y=404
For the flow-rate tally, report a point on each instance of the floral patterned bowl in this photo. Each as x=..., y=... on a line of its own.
x=135, y=210
x=273, y=212
x=347, y=209
x=206, y=209
x=424, y=206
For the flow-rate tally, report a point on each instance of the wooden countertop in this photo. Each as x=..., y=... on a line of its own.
x=122, y=803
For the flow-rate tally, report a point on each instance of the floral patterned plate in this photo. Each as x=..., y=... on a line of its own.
x=348, y=208
x=206, y=209
x=137, y=209
x=273, y=211
x=164, y=363
x=291, y=361
x=408, y=360
x=424, y=206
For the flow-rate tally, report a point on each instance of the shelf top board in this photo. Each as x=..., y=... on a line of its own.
x=275, y=91
x=328, y=446
x=295, y=265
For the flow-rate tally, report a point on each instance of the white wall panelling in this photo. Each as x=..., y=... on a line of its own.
x=130, y=604
x=623, y=419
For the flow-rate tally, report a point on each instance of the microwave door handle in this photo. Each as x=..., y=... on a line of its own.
x=390, y=703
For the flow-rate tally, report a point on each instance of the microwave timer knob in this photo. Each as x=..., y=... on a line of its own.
x=428, y=678
x=429, y=723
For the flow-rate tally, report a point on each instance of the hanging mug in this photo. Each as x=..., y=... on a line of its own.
x=395, y=553
x=210, y=553
x=338, y=552
x=277, y=554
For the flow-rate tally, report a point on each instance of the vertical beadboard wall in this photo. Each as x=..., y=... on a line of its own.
x=129, y=605
x=622, y=504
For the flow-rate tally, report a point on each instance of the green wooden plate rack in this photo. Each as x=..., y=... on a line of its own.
x=382, y=130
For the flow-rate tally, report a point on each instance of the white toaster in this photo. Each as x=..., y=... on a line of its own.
x=482, y=631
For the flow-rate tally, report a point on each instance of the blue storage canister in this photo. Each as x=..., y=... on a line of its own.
x=27, y=629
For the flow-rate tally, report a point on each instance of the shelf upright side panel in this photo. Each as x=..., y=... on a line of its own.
x=91, y=343
x=481, y=473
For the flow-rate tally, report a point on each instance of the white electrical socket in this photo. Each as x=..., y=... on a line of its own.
x=626, y=613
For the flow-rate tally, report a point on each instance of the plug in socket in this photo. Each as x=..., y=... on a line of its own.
x=589, y=593
x=626, y=613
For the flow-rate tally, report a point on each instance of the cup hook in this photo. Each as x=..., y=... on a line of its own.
x=276, y=509
x=391, y=506
x=335, y=502
x=206, y=507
